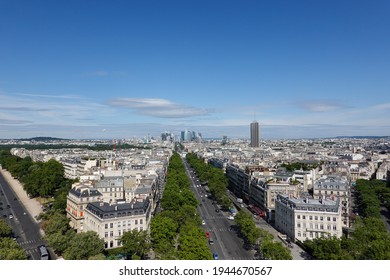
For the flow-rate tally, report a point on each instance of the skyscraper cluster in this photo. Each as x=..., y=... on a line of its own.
x=188, y=136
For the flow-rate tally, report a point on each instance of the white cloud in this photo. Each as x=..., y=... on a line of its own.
x=100, y=73
x=160, y=108
x=384, y=106
x=321, y=106
x=49, y=96
x=14, y=122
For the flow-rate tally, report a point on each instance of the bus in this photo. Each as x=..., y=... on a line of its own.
x=257, y=211
x=44, y=253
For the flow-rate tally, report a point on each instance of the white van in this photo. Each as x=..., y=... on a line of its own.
x=43, y=252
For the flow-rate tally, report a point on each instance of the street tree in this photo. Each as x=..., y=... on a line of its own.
x=83, y=246
x=136, y=243
x=10, y=250
x=5, y=229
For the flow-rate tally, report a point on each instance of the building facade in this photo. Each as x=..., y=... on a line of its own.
x=112, y=188
x=111, y=221
x=308, y=218
x=335, y=186
x=264, y=195
x=77, y=200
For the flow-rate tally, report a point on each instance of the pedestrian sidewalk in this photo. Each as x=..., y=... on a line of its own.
x=32, y=206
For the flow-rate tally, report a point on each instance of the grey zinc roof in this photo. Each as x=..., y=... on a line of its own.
x=85, y=192
x=143, y=190
x=310, y=204
x=332, y=183
x=106, y=210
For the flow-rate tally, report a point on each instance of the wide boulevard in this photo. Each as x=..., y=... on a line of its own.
x=24, y=227
x=226, y=242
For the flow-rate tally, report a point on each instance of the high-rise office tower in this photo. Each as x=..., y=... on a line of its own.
x=255, y=134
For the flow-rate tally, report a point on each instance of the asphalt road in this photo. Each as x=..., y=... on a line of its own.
x=24, y=227
x=227, y=244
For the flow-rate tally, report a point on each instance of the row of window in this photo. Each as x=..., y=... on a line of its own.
x=111, y=225
x=111, y=233
x=312, y=234
x=321, y=218
x=331, y=192
x=318, y=226
x=117, y=189
x=124, y=214
x=89, y=199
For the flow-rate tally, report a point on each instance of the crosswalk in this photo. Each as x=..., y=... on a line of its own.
x=219, y=229
x=31, y=247
x=32, y=252
x=29, y=242
x=217, y=217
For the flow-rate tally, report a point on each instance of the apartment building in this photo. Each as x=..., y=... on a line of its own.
x=70, y=168
x=308, y=218
x=382, y=171
x=112, y=188
x=111, y=221
x=335, y=186
x=238, y=181
x=264, y=194
x=77, y=200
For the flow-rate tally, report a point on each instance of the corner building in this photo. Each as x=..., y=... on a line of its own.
x=111, y=221
x=307, y=218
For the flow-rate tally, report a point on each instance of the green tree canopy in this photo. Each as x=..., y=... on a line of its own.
x=10, y=250
x=83, y=246
x=136, y=242
x=275, y=251
x=5, y=229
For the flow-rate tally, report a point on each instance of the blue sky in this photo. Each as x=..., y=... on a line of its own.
x=119, y=69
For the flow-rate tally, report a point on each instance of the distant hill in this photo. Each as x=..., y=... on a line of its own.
x=364, y=137
x=42, y=139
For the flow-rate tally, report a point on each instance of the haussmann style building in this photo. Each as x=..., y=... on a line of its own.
x=308, y=218
x=111, y=221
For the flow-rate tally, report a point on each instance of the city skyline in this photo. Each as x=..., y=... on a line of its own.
x=89, y=70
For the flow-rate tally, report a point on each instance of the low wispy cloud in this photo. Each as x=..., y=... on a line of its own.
x=321, y=106
x=14, y=122
x=49, y=96
x=384, y=106
x=100, y=73
x=160, y=108
x=22, y=109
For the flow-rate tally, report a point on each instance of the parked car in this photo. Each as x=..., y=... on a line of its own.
x=215, y=256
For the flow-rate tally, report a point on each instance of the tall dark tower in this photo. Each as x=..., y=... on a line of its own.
x=255, y=134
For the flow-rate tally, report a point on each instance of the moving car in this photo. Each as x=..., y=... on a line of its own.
x=43, y=252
